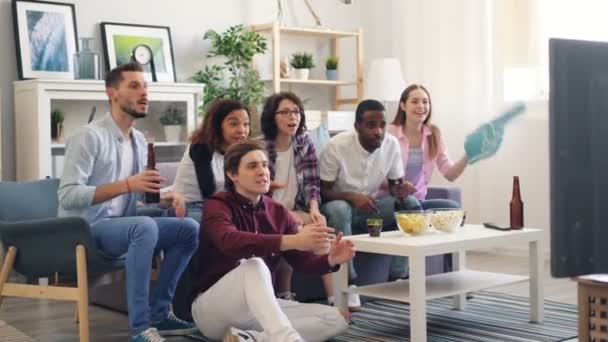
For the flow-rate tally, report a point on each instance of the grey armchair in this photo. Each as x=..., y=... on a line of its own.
x=39, y=244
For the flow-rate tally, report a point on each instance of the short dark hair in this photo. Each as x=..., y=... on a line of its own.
x=233, y=156
x=268, y=123
x=210, y=131
x=114, y=77
x=365, y=106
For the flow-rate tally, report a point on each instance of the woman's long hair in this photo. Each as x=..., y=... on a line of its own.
x=400, y=118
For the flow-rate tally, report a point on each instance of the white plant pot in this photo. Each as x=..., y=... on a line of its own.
x=173, y=133
x=301, y=74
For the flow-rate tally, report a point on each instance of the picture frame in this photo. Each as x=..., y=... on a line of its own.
x=45, y=38
x=119, y=40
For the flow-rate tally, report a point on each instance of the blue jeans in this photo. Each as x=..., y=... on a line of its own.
x=436, y=203
x=345, y=218
x=137, y=238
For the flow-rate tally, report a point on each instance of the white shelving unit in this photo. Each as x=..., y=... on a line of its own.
x=280, y=33
x=34, y=100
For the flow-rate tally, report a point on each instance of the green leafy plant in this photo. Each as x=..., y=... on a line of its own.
x=331, y=63
x=302, y=60
x=173, y=115
x=57, y=116
x=237, y=46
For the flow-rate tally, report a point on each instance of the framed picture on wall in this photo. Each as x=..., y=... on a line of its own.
x=45, y=38
x=119, y=40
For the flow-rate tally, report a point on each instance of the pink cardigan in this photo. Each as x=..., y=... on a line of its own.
x=442, y=160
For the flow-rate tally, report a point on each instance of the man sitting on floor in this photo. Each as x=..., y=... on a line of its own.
x=243, y=236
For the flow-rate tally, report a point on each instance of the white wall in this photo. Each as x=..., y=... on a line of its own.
x=188, y=20
x=445, y=46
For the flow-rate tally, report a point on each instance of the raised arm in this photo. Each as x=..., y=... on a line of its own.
x=450, y=170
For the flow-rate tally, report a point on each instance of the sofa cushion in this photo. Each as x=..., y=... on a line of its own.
x=168, y=171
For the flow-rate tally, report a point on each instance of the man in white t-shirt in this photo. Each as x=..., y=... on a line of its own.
x=353, y=166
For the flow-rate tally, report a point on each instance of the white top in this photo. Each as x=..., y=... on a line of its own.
x=118, y=204
x=285, y=172
x=217, y=165
x=186, y=182
x=353, y=169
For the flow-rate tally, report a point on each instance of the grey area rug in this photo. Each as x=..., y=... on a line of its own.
x=488, y=316
x=9, y=334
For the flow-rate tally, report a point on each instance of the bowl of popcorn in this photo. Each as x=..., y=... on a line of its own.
x=446, y=220
x=413, y=222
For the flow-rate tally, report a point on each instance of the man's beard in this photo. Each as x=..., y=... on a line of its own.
x=134, y=113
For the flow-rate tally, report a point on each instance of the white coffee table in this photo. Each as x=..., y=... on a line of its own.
x=420, y=288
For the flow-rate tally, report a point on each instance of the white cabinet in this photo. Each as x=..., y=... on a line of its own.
x=35, y=99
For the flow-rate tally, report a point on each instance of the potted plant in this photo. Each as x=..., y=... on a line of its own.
x=172, y=120
x=57, y=117
x=234, y=78
x=302, y=62
x=331, y=68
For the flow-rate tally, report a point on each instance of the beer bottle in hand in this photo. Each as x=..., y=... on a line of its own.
x=399, y=201
x=152, y=197
x=517, y=206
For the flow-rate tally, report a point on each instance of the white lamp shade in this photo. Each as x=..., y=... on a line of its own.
x=384, y=81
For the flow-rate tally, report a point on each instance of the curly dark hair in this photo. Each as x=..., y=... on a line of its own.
x=210, y=131
x=268, y=123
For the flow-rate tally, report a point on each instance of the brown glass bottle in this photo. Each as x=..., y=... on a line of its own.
x=399, y=201
x=517, y=206
x=151, y=197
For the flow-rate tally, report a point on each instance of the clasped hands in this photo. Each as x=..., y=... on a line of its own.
x=367, y=203
x=319, y=238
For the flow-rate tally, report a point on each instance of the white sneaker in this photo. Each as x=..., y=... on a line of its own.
x=354, y=301
x=237, y=335
x=287, y=296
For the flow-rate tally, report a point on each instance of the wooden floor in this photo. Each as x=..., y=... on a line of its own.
x=51, y=321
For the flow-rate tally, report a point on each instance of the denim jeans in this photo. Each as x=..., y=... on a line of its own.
x=345, y=218
x=195, y=210
x=137, y=238
x=436, y=203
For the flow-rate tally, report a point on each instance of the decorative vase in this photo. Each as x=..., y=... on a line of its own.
x=301, y=74
x=56, y=129
x=173, y=133
x=331, y=74
x=86, y=62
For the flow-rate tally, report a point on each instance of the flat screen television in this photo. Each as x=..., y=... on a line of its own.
x=578, y=134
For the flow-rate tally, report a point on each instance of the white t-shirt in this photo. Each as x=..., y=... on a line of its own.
x=285, y=172
x=217, y=165
x=186, y=182
x=118, y=204
x=353, y=169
